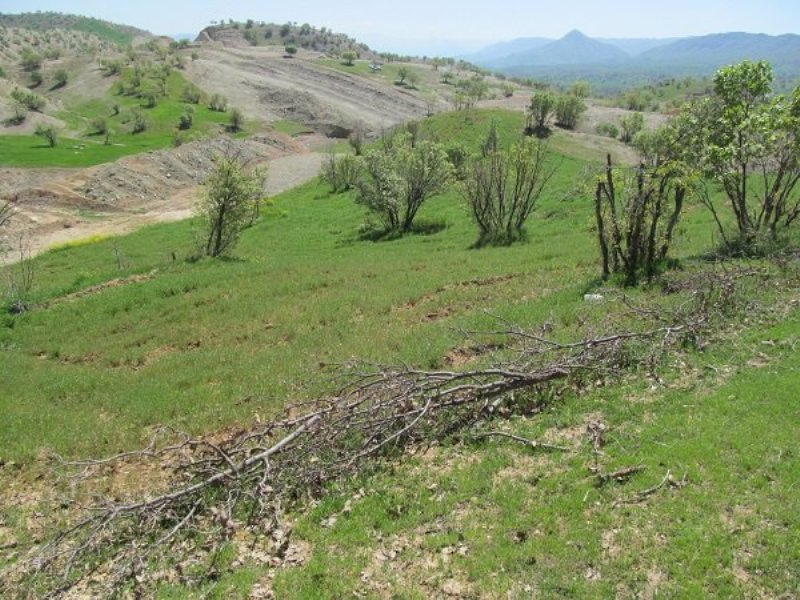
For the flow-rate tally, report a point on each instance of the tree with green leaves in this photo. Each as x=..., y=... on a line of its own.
x=60, y=78
x=631, y=125
x=235, y=121
x=637, y=210
x=541, y=110
x=400, y=177
x=502, y=187
x=229, y=203
x=349, y=58
x=747, y=142
x=569, y=109
x=49, y=133
x=290, y=50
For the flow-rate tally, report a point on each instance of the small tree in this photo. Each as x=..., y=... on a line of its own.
x=49, y=133
x=229, y=203
x=569, y=109
x=502, y=187
x=413, y=79
x=636, y=213
x=540, y=113
x=400, y=177
x=631, y=125
x=190, y=94
x=60, y=78
x=343, y=172
x=218, y=103
x=349, y=58
x=290, y=50
x=186, y=119
x=138, y=121
x=29, y=100
x=98, y=126
x=402, y=75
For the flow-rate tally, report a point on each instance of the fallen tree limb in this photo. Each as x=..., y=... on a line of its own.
x=535, y=444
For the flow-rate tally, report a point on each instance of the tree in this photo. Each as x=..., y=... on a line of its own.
x=540, y=113
x=748, y=143
x=49, y=133
x=229, y=203
x=502, y=187
x=290, y=50
x=186, y=119
x=413, y=79
x=36, y=79
x=400, y=177
x=348, y=58
x=631, y=125
x=402, y=74
x=569, y=109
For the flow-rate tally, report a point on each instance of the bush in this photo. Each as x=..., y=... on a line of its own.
x=19, y=116
x=138, y=121
x=60, y=78
x=540, y=113
x=342, y=173
x=607, y=129
x=290, y=50
x=111, y=67
x=49, y=133
x=502, y=188
x=186, y=120
x=349, y=58
x=569, y=109
x=98, y=126
x=631, y=125
x=229, y=204
x=190, y=94
x=218, y=103
x=28, y=99
x=636, y=214
x=30, y=60
x=458, y=156
x=36, y=79
x=235, y=121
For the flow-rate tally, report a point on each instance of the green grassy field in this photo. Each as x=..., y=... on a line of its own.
x=210, y=344
x=87, y=149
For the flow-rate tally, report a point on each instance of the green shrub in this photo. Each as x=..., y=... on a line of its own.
x=138, y=121
x=607, y=129
x=60, y=78
x=218, y=103
x=49, y=133
x=28, y=99
x=342, y=173
x=98, y=126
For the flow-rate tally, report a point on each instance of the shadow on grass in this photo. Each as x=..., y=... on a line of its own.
x=373, y=232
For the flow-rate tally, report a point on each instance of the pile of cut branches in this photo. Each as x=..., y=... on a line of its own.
x=215, y=490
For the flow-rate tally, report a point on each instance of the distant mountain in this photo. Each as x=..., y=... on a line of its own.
x=637, y=46
x=506, y=49
x=574, y=48
x=616, y=63
x=183, y=36
x=724, y=48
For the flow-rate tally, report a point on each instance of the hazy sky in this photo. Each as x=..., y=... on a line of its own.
x=423, y=25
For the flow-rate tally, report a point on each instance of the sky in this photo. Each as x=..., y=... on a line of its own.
x=433, y=27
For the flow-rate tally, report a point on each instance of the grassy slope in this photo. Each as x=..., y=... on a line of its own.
x=536, y=526
x=88, y=150
x=203, y=345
